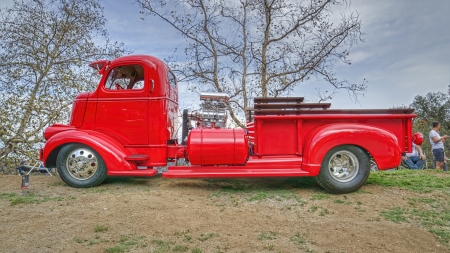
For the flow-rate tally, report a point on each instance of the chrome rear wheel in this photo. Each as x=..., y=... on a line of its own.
x=344, y=169
x=343, y=166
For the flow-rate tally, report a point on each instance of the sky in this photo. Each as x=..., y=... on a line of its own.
x=406, y=49
x=405, y=53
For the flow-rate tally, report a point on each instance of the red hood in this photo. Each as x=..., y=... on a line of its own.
x=56, y=128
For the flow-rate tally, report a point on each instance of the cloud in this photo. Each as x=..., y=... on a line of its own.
x=406, y=52
x=149, y=36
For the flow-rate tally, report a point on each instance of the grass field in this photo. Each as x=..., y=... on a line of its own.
x=396, y=211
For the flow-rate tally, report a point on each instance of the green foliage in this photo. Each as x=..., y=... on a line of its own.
x=434, y=106
x=396, y=214
x=416, y=180
x=298, y=239
x=28, y=199
x=276, y=195
x=433, y=215
x=324, y=212
x=125, y=244
x=320, y=196
x=267, y=236
x=196, y=250
x=161, y=246
x=262, y=189
x=45, y=46
x=443, y=234
x=92, y=242
x=117, y=249
x=204, y=237
x=180, y=248
x=187, y=238
x=100, y=228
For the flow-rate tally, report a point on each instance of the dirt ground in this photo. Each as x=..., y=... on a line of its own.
x=196, y=215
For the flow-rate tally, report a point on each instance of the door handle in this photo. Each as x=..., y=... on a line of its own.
x=153, y=85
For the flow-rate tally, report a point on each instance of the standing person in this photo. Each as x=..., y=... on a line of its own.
x=416, y=158
x=437, y=145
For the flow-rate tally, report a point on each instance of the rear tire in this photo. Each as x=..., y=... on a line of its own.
x=373, y=166
x=344, y=169
x=80, y=166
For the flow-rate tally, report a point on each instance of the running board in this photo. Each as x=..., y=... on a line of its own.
x=229, y=171
x=133, y=173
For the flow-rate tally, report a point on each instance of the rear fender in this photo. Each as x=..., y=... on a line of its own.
x=112, y=152
x=379, y=143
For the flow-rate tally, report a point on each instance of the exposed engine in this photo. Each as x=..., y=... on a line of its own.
x=213, y=113
x=209, y=142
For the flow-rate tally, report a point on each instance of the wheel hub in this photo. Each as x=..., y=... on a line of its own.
x=343, y=166
x=82, y=164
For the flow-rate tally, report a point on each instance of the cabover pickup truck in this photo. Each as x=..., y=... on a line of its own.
x=128, y=126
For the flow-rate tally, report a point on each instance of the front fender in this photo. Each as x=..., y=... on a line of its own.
x=381, y=144
x=112, y=152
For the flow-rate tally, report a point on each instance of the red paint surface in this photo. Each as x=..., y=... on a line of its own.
x=131, y=128
x=217, y=147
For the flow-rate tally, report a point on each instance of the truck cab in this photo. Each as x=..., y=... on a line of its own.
x=134, y=107
x=136, y=103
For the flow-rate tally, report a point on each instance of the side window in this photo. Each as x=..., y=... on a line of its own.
x=138, y=85
x=128, y=77
x=172, y=79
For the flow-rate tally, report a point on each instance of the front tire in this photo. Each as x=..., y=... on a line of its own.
x=80, y=166
x=344, y=169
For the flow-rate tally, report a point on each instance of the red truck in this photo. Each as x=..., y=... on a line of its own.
x=128, y=127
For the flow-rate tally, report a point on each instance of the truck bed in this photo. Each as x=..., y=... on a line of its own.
x=285, y=126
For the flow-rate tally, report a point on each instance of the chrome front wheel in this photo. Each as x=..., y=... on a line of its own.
x=80, y=166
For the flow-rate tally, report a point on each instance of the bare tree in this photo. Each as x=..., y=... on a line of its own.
x=250, y=48
x=45, y=45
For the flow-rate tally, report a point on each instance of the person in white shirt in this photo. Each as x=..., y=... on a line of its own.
x=437, y=145
x=416, y=158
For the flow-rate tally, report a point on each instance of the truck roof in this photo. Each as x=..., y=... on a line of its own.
x=148, y=59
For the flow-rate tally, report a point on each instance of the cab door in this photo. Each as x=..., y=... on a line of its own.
x=122, y=107
x=172, y=104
